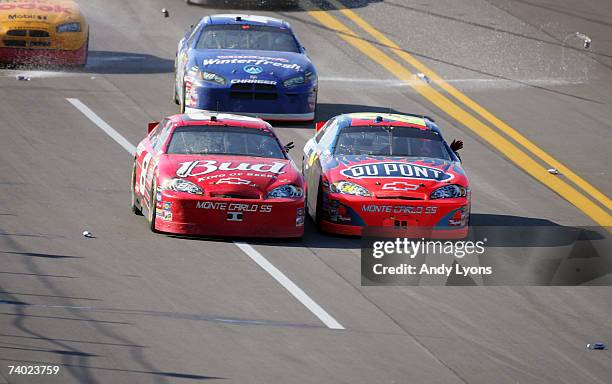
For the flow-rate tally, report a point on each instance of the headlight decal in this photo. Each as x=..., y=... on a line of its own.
x=294, y=81
x=450, y=191
x=212, y=77
x=285, y=191
x=69, y=27
x=182, y=185
x=348, y=188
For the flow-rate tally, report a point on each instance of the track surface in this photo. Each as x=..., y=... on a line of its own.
x=133, y=307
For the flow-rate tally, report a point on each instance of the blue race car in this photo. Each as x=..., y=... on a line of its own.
x=245, y=64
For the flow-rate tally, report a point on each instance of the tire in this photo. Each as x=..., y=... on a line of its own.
x=152, y=207
x=82, y=65
x=319, y=209
x=135, y=208
x=175, y=95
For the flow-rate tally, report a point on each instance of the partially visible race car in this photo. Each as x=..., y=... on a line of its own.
x=245, y=64
x=385, y=170
x=43, y=32
x=217, y=175
x=250, y=3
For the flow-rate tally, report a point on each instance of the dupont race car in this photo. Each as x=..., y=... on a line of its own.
x=217, y=175
x=385, y=170
x=43, y=32
x=249, y=65
x=260, y=3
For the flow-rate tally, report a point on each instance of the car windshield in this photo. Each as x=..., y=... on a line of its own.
x=391, y=141
x=240, y=36
x=224, y=141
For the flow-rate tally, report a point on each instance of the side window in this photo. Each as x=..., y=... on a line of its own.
x=324, y=129
x=163, y=136
x=331, y=132
x=192, y=36
x=155, y=134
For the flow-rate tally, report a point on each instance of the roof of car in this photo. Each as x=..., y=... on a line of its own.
x=246, y=19
x=216, y=119
x=377, y=118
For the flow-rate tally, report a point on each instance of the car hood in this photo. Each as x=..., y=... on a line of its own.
x=236, y=64
x=408, y=177
x=40, y=11
x=249, y=177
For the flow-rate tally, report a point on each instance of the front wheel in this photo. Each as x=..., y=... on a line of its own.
x=152, y=206
x=135, y=208
x=175, y=95
x=319, y=210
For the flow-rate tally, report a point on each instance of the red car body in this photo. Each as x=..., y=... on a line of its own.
x=350, y=189
x=229, y=193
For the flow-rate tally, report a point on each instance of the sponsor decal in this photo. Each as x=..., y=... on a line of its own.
x=236, y=207
x=167, y=205
x=34, y=5
x=28, y=17
x=400, y=186
x=143, y=173
x=253, y=69
x=253, y=81
x=395, y=169
x=234, y=181
x=400, y=209
x=299, y=217
x=203, y=167
x=167, y=216
x=253, y=61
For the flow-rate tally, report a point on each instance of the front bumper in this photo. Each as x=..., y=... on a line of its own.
x=43, y=56
x=348, y=215
x=184, y=214
x=277, y=104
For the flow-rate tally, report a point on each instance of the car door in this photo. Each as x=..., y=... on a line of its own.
x=148, y=157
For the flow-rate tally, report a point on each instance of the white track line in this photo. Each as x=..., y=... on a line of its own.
x=257, y=257
x=290, y=286
x=103, y=125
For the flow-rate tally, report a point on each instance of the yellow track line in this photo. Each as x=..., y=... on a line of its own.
x=502, y=144
x=508, y=130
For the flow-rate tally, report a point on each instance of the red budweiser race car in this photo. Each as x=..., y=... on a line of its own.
x=385, y=170
x=217, y=175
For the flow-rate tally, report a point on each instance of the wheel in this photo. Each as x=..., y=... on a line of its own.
x=152, y=206
x=86, y=53
x=175, y=95
x=135, y=206
x=319, y=209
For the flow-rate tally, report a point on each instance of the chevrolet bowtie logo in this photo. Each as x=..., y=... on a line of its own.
x=400, y=186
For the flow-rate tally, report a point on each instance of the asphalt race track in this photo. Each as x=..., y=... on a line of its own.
x=130, y=306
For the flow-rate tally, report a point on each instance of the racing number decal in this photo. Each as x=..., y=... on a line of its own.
x=143, y=172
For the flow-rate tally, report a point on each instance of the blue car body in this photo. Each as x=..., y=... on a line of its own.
x=219, y=68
